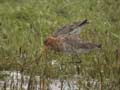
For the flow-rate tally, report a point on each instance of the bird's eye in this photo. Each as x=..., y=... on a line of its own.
x=45, y=41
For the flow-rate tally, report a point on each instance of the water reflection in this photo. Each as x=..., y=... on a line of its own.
x=16, y=81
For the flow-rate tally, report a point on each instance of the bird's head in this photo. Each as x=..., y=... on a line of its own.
x=50, y=41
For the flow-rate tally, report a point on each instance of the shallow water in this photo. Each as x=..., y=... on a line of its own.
x=14, y=81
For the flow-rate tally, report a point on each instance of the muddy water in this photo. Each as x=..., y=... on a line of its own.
x=16, y=81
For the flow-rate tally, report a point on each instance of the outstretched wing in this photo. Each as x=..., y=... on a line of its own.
x=77, y=43
x=74, y=28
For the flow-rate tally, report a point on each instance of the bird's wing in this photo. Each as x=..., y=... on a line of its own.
x=76, y=43
x=71, y=29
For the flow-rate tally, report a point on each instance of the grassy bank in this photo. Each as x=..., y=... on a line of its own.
x=24, y=24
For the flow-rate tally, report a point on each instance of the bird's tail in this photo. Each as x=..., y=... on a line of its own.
x=83, y=23
x=78, y=27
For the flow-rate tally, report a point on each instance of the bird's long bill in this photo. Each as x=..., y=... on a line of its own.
x=43, y=50
x=41, y=55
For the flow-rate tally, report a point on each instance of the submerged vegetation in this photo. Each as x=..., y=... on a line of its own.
x=24, y=25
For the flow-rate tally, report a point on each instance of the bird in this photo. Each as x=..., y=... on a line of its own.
x=66, y=39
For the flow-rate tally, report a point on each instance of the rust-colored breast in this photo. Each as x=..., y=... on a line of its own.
x=50, y=41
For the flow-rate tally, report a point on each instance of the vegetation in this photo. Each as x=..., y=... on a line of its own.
x=24, y=24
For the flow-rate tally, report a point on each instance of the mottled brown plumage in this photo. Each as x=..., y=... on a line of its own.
x=67, y=40
x=70, y=28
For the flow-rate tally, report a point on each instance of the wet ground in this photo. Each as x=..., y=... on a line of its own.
x=16, y=81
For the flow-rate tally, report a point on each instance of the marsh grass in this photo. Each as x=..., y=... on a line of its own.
x=24, y=24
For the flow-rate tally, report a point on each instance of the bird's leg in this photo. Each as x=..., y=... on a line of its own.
x=76, y=62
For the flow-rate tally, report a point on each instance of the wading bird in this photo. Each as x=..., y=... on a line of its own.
x=66, y=40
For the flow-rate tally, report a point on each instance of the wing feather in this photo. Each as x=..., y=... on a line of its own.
x=77, y=44
x=74, y=28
